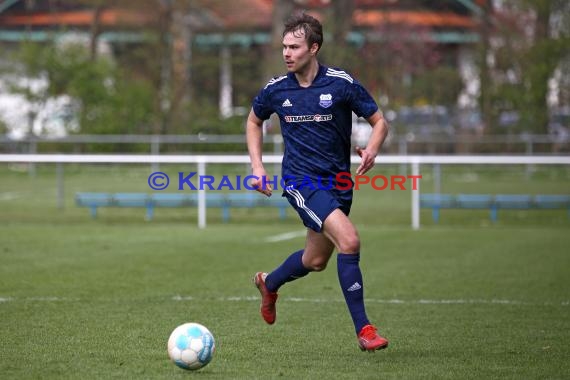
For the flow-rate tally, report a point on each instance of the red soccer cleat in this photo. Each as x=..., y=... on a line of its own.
x=369, y=341
x=268, y=298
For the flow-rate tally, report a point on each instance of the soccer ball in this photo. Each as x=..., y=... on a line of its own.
x=191, y=346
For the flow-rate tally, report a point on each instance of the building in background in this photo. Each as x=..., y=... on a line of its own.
x=411, y=53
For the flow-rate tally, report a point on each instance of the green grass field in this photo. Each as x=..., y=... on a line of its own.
x=83, y=298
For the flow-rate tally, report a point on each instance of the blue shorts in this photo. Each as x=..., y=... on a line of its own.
x=315, y=205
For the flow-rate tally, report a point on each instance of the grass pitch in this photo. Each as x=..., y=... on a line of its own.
x=82, y=298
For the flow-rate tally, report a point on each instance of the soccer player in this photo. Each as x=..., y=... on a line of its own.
x=315, y=104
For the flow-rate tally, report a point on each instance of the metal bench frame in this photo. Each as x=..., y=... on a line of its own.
x=493, y=202
x=225, y=201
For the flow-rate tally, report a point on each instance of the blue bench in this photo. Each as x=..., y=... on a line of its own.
x=493, y=203
x=225, y=201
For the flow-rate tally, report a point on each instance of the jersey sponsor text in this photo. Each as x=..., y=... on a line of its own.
x=305, y=118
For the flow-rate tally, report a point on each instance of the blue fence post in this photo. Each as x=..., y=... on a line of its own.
x=149, y=212
x=435, y=214
x=226, y=214
x=494, y=213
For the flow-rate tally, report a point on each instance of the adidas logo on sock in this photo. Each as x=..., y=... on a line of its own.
x=287, y=103
x=354, y=287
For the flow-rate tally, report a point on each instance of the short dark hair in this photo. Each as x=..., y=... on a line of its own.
x=309, y=25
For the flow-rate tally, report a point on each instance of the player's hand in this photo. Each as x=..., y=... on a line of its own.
x=367, y=162
x=264, y=187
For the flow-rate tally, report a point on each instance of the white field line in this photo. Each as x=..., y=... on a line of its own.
x=386, y=301
x=284, y=236
x=37, y=299
x=8, y=196
x=181, y=298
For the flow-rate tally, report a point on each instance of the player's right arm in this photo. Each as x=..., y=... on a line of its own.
x=254, y=138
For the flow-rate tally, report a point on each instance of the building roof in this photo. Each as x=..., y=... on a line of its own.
x=75, y=18
x=238, y=16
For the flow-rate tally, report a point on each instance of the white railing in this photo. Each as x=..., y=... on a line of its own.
x=203, y=160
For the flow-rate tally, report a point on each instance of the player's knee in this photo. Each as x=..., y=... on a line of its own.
x=350, y=244
x=317, y=264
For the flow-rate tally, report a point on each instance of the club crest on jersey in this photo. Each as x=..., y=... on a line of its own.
x=325, y=100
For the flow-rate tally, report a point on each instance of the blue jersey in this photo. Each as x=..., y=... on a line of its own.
x=316, y=121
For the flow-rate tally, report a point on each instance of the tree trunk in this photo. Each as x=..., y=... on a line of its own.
x=282, y=10
x=485, y=86
x=539, y=77
x=165, y=54
x=95, y=32
x=340, y=25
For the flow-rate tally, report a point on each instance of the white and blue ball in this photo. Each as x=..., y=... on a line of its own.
x=191, y=346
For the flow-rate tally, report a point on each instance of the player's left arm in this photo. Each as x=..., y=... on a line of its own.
x=380, y=130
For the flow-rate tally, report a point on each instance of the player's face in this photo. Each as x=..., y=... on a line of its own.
x=296, y=53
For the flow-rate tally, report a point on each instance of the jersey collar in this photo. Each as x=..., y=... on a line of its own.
x=322, y=71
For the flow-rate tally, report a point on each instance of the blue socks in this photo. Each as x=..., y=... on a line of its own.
x=350, y=278
x=291, y=269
